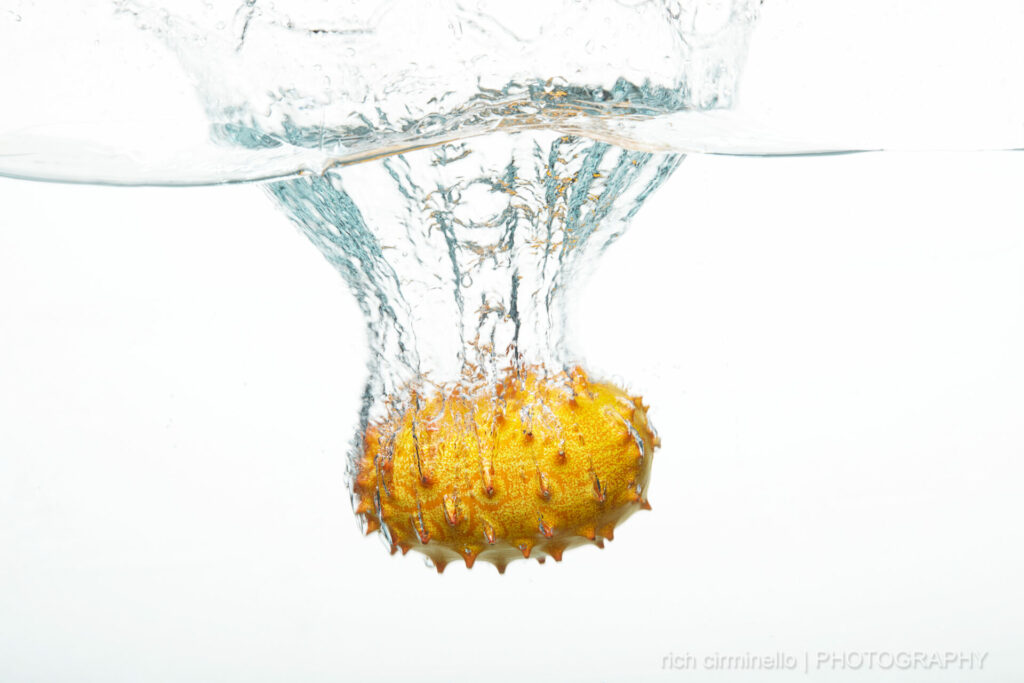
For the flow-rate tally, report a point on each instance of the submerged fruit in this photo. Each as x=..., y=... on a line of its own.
x=529, y=467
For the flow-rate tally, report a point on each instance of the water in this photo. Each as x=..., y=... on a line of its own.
x=299, y=86
x=466, y=227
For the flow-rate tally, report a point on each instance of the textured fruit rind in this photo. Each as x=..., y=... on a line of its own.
x=526, y=468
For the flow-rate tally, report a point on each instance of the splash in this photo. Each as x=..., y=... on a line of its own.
x=493, y=174
x=325, y=84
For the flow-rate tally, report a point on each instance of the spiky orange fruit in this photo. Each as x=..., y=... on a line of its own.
x=530, y=467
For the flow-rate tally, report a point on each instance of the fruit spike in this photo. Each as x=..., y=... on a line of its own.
x=529, y=467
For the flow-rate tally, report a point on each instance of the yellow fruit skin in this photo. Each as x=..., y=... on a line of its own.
x=528, y=468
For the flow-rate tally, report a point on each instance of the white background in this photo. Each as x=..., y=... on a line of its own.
x=833, y=349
